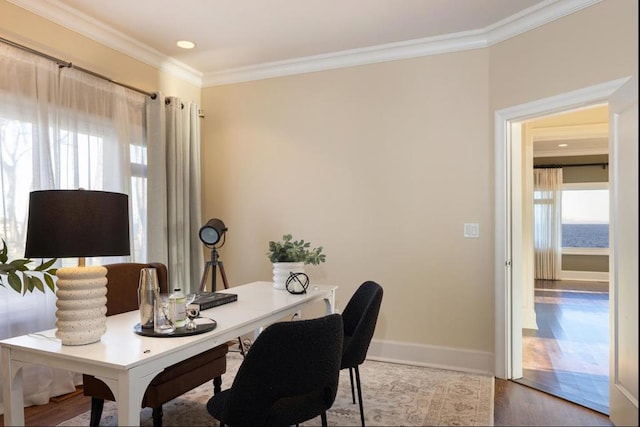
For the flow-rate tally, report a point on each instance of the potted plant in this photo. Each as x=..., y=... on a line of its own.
x=20, y=278
x=290, y=256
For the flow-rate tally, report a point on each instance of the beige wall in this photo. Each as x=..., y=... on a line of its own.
x=26, y=28
x=594, y=45
x=382, y=165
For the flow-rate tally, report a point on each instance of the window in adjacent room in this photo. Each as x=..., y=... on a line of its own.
x=585, y=216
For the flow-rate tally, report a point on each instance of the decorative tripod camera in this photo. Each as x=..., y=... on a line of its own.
x=210, y=235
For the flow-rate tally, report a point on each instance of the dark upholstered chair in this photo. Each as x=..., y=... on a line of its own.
x=289, y=375
x=360, y=317
x=122, y=296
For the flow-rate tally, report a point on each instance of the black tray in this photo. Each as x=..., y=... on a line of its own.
x=179, y=332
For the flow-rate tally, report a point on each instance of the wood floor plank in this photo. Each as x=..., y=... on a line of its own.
x=569, y=353
x=519, y=405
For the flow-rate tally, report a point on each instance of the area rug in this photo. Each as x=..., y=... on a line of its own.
x=393, y=395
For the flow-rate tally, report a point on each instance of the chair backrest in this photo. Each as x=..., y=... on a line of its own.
x=289, y=375
x=360, y=317
x=122, y=285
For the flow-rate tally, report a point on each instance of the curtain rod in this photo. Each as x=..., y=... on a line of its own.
x=66, y=64
x=604, y=165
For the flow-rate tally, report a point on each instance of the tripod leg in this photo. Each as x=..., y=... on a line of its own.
x=224, y=275
x=205, y=273
x=226, y=286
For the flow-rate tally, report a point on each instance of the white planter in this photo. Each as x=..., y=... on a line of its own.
x=281, y=272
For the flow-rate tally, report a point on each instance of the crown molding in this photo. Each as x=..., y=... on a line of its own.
x=534, y=17
x=348, y=58
x=61, y=14
x=529, y=19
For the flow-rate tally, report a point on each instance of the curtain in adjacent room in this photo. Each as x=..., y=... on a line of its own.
x=548, y=223
x=175, y=139
x=61, y=128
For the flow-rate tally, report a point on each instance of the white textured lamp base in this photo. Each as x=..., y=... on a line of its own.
x=281, y=272
x=82, y=299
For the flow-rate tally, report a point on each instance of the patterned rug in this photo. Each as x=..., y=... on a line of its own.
x=393, y=395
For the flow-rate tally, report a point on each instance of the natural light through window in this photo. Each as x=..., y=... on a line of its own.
x=585, y=217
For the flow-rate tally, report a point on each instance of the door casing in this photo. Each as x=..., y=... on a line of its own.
x=508, y=259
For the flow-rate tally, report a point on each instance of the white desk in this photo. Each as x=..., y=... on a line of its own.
x=127, y=362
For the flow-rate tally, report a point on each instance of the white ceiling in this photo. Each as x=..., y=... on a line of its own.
x=238, y=33
x=571, y=147
x=256, y=36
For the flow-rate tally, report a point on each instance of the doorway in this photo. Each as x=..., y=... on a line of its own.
x=565, y=309
x=508, y=249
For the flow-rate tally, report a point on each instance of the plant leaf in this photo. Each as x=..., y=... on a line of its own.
x=3, y=252
x=45, y=265
x=35, y=281
x=20, y=264
x=15, y=282
x=49, y=280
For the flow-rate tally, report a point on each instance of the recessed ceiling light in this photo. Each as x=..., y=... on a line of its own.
x=563, y=145
x=186, y=44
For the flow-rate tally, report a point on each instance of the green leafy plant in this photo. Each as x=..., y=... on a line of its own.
x=289, y=250
x=20, y=278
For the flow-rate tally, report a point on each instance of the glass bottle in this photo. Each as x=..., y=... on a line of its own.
x=178, y=304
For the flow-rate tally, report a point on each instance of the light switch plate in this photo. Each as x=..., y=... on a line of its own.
x=472, y=230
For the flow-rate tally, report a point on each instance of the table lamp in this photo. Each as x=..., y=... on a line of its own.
x=78, y=223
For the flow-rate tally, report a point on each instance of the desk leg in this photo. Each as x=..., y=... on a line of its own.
x=12, y=391
x=330, y=302
x=128, y=392
x=128, y=402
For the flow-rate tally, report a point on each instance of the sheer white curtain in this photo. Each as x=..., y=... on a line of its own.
x=28, y=97
x=101, y=145
x=548, y=223
x=62, y=128
x=179, y=146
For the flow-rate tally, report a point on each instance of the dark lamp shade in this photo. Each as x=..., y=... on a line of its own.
x=77, y=223
x=212, y=231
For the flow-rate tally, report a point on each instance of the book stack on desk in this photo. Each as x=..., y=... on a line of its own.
x=208, y=300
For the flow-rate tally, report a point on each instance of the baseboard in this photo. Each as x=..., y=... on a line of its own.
x=475, y=361
x=529, y=318
x=589, y=276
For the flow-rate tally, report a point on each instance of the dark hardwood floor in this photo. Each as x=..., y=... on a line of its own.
x=568, y=356
x=519, y=405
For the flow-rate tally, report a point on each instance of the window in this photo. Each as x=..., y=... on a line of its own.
x=80, y=152
x=585, y=217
